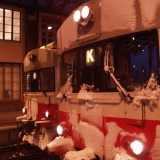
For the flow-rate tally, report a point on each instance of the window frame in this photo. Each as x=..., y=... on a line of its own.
x=12, y=25
x=12, y=81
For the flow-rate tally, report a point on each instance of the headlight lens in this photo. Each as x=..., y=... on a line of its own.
x=59, y=129
x=137, y=147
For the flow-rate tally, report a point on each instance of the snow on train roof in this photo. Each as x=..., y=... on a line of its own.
x=115, y=18
x=40, y=58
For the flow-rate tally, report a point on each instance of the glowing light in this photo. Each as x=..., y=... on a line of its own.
x=90, y=57
x=59, y=129
x=49, y=27
x=47, y=114
x=133, y=38
x=139, y=45
x=42, y=47
x=137, y=147
x=76, y=16
x=85, y=12
x=24, y=110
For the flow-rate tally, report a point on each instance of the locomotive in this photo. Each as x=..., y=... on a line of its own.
x=108, y=69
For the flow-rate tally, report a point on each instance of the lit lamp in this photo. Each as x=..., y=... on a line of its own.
x=24, y=110
x=46, y=114
x=62, y=130
x=84, y=17
x=77, y=16
x=136, y=146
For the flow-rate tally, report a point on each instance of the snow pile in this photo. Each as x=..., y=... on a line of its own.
x=155, y=150
x=110, y=139
x=86, y=154
x=60, y=145
x=122, y=155
x=118, y=15
x=93, y=137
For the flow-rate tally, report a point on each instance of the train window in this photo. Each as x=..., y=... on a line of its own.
x=40, y=80
x=90, y=66
x=69, y=68
x=131, y=57
x=134, y=57
x=47, y=79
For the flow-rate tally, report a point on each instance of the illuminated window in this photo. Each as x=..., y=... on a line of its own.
x=49, y=27
x=9, y=24
x=10, y=81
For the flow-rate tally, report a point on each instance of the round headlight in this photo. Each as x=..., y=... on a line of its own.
x=85, y=12
x=59, y=129
x=76, y=16
x=47, y=114
x=24, y=110
x=137, y=147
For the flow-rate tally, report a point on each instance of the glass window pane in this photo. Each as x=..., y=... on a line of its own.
x=16, y=22
x=16, y=14
x=8, y=21
x=1, y=35
x=7, y=86
x=43, y=19
x=7, y=28
x=16, y=95
x=7, y=36
x=1, y=20
x=16, y=29
x=1, y=11
x=7, y=94
x=16, y=86
x=16, y=37
x=16, y=68
x=8, y=13
x=1, y=27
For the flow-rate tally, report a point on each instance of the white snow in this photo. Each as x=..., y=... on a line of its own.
x=116, y=18
x=110, y=139
x=67, y=34
x=150, y=11
x=118, y=15
x=122, y=155
x=85, y=154
x=155, y=150
x=60, y=145
x=93, y=137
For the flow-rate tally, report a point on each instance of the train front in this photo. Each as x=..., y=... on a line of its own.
x=109, y=93
x=38, y=124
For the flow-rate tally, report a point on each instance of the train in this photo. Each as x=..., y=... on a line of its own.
x=107, y=92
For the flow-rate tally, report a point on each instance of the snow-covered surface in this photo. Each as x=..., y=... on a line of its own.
x=122, y=155
x=155, y=150
x=93, y=137
x=150, y=11
x=32, y=109
x=85, y=154
x=118, y=15
x=60, y=145
x=110, y=139
x=116, y=18
x=44, y=58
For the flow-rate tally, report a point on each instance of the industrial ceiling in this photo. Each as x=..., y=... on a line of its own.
x=60, y=7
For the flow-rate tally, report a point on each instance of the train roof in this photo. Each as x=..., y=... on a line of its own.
x=110, y=18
